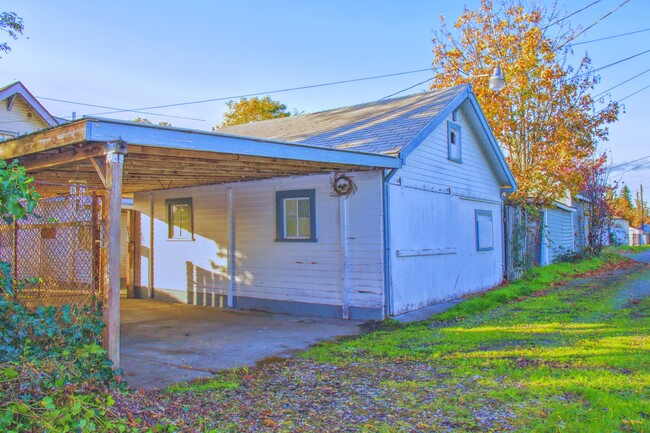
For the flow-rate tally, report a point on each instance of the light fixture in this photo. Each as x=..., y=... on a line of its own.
x=497, y=81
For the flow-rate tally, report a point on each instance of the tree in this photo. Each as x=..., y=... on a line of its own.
x=149, y=122
x=545, y=118
x=12, y=24
x=598, y=212
x=622, y=205
x=253, y=110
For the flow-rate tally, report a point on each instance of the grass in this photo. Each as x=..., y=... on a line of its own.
x=564, y=349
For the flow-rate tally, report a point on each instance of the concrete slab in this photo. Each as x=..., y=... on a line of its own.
x=164, y=343
x=426, y=313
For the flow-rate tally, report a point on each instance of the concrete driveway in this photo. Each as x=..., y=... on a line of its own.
x=165, y=343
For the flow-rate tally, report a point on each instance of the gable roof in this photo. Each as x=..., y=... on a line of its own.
x=378, y=127
x=18, y=88
x=392, y=126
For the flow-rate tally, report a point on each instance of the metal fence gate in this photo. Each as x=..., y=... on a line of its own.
x=58, y=251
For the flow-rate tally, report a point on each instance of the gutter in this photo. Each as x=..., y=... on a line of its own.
x=388, y=286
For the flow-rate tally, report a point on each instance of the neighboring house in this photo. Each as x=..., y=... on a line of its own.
x=644, y=230
x=408, y=238
x=620, y=231
x=247, y=217
x=559, y=232
x=21, y=113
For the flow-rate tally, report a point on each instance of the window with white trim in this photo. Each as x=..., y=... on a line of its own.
x=453, y=142
x=180, y=219
x=295, y=214
x=484, y=230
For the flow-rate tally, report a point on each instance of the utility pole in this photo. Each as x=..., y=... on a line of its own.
x=642, y=237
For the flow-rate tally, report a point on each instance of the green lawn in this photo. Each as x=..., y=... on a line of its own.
x=534, y=356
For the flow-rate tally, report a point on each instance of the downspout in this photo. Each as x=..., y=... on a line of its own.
x=388, y=287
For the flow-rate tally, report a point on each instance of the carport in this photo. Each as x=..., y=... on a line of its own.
x=164, y=343
x=121, y=158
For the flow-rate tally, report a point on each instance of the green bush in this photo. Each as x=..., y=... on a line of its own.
x=54, y=375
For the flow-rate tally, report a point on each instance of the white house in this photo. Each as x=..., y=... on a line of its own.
x=620, y=231
x=21, y=113
x=427, y=231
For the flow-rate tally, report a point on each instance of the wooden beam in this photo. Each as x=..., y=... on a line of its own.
x=100, y=167
x=114, y=166
x=67, y=156
x=10, y=102
x=59, y=136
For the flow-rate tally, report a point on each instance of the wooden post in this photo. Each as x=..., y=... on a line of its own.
x=115, y=152
x=150, y=257
x=231, y=249
x=15, y=250
x=343, y=206
x=130, y=256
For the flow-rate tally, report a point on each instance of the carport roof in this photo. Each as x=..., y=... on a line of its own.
x=167, y=157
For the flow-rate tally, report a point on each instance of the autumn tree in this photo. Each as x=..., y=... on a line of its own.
x=12, y=25
x=545, y=119
x=149, y=122
x=596, y=188
x=253, y=110
x=622, y=204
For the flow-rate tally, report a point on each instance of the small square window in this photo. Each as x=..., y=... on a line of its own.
x=484, y=230
x=295, y=215
x=453, y=142
x=180, y=219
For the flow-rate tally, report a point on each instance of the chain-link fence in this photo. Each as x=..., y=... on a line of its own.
x=58, y=251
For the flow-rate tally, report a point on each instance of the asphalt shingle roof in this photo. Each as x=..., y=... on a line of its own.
x=377, y=127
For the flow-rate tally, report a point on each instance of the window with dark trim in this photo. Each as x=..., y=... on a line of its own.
x=453, y=142
x=180, y=221
x=484, y=230
x=295, y=215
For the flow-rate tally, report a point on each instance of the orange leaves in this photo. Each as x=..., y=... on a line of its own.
x=545, y=119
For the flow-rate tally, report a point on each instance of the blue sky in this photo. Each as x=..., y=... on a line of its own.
x=147, y=53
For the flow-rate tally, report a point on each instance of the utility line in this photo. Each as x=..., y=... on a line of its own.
x=620, y=84
x=270, y=92
x=113, y=108
x=632, y=94
x=611, y=64
x=570, y=15
x=628, y=162
x=611, y=37
x=408, y=88
x=597, y=22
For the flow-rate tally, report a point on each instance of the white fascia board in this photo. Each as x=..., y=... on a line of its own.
x=188, y=139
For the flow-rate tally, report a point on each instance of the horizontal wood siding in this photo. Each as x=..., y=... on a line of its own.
x=22, y=119
x=286, y=271
x=433, y=205
x=560, y=232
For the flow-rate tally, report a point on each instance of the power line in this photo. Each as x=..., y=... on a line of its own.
x=621, y=83
x=632, y=94
x=602, y=18
x=269, y=92
x=113, y=108
x=408, y=88
x=570, y=15
x=628, y=162
x=597, y=21
x=611, y=37
x=611, y=64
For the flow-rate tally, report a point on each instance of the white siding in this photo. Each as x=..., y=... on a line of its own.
x=22, y=119
x=433, y=205
x=308, y=272
x=560, y=232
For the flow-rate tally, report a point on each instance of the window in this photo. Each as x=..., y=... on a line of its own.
x=179, y=218
x=484, y=234
x=296, y=215
x=453, y=142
